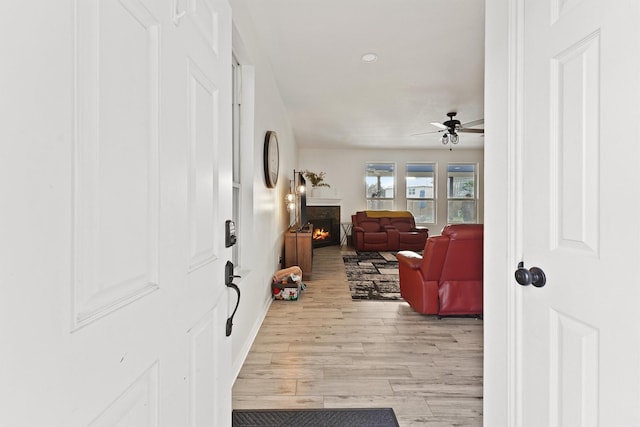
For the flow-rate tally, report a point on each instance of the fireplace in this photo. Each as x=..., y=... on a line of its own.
x=326, y=225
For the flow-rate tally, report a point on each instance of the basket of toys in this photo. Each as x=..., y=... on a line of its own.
x=286, y=284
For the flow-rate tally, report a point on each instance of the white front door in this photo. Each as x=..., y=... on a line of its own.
x=578, y=337
x=115, y=161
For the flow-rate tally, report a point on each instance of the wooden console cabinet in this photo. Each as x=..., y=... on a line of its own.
x=298, y=250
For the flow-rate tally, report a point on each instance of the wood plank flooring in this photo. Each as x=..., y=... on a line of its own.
x=327, y=351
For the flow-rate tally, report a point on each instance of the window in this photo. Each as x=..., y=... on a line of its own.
x=380, y=184
x=237, y=185
x=421, y=192
x=461, y=193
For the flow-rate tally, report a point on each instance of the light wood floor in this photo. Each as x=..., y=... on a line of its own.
x=327, y=351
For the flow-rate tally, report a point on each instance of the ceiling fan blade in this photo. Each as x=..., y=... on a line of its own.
x=426, y=133
x=439, y=125
x=471, y=130
x=473, y=123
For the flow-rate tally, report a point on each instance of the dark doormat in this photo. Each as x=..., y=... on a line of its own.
x=362, y=417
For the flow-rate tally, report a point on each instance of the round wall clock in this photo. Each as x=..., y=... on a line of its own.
x=271, y=159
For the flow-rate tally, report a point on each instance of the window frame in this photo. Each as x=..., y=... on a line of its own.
x=453, y=198
x=432, y=199
x=381, y=203
x=237, y=190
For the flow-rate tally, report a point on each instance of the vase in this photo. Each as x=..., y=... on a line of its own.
x=320, y=192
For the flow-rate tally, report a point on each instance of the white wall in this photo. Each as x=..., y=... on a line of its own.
x=265, y=217
x=345, y=172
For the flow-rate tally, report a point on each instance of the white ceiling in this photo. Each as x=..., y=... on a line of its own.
x=430, y=62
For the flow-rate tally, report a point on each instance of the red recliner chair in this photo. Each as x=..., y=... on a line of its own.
x=448, y=278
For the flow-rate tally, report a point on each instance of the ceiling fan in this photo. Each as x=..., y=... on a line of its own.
x=452, y=127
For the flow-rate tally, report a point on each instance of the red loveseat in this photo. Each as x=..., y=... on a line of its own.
x=386, y=231
x=448, y=278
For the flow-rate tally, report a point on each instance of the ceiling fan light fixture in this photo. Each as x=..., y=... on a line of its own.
x=451, y=127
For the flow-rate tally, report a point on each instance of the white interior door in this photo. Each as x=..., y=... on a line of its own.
x=578, y=336
x=115, y=162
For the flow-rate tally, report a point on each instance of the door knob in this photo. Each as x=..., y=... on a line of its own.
x=530, y=276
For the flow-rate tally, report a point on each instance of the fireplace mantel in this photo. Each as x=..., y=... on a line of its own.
x=322, y=201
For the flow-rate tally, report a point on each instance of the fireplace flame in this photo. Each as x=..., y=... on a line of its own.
x=320, y=234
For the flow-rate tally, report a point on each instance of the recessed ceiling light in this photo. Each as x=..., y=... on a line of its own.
x=369, y=57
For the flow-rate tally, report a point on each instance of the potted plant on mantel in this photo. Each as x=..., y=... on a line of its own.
x=317, y=181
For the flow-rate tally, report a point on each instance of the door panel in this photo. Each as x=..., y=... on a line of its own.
x=575, y=333
x=122, y=147
x=115, y=157
x=573, y=347
x=206, y=370
x=575, y=143
x=203, y=100
x=137, y=406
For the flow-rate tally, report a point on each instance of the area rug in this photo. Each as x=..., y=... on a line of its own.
x=372, y=275
x=365, y=417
